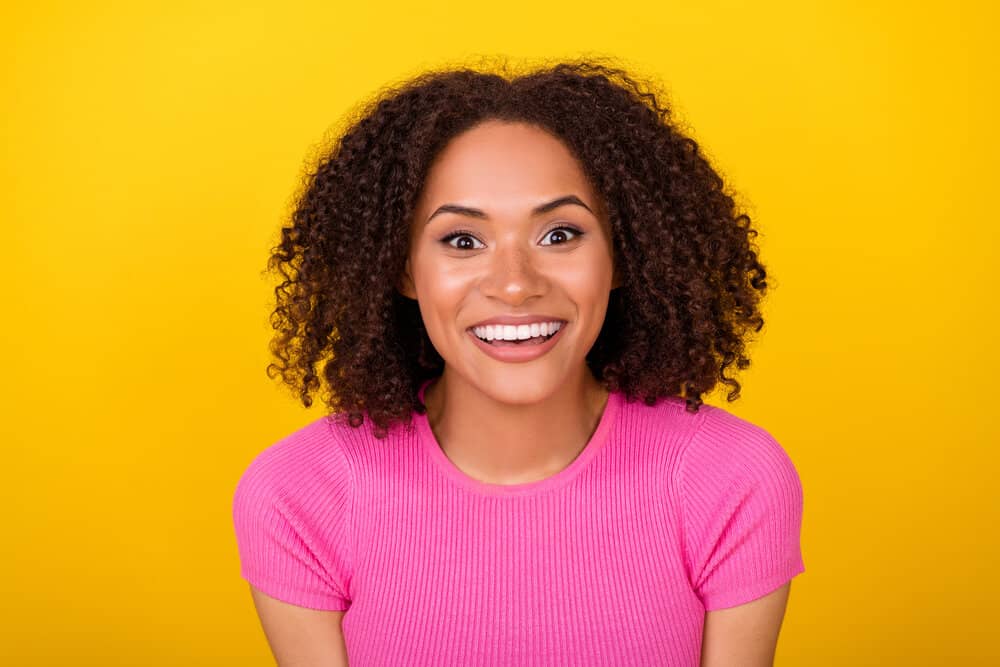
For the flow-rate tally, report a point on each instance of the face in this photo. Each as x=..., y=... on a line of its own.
x=508, y=226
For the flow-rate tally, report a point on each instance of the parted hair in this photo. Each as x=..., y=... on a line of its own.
x=691, y=278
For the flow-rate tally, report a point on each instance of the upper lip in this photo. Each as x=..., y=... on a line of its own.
x=517, y=320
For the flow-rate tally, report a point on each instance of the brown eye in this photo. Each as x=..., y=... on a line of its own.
x=559, y=235
x=465, y=241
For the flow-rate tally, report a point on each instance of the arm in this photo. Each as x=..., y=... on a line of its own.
x=742, y=505
x=301, y=637
x=292, y=511
x=745, y=635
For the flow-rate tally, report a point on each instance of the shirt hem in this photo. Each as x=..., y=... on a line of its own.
x=297, y=597
x=758, y=589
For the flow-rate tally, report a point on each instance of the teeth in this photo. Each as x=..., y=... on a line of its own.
x=520, y=332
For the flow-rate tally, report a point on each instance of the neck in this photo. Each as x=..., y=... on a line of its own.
x=500, y=443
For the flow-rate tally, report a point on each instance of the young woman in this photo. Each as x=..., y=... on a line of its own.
x=517, y=289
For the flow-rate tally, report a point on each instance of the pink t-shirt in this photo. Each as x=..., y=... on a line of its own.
x=611, y=561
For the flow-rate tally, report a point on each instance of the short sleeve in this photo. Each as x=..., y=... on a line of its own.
x=741, y=500
x=292, y=516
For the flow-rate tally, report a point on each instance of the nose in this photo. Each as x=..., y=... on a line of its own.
x=513, y=275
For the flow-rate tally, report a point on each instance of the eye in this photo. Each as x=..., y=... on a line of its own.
x=560, y=233
x=466, y=239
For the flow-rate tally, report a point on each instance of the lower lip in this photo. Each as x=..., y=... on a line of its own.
x=517, y=353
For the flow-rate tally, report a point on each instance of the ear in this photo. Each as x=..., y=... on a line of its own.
x=405, y=283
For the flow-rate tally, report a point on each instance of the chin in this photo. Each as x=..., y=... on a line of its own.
x=519, y=386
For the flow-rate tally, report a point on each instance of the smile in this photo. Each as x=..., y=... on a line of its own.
x=517, y=333
x=520, y=348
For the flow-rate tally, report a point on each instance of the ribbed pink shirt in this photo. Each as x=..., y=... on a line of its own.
x=611, y=561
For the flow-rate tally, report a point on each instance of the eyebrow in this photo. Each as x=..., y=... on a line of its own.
x=538, y=210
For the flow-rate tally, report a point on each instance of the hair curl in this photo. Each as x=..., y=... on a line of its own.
x=691, y=277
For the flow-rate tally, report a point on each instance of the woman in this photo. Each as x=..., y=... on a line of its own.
x=519, y=288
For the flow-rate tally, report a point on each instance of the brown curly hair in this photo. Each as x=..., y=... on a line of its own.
x=691, y=277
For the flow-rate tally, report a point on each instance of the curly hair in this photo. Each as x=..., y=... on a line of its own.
x=691, y=277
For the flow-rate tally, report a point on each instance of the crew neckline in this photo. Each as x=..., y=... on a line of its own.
x=564, y=476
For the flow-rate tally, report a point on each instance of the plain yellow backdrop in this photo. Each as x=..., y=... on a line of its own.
x=149, y=155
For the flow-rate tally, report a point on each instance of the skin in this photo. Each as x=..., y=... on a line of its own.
x=301, y=637
x=511, y=262
x=746, y=634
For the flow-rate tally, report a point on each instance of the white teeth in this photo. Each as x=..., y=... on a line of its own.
x=519, y=332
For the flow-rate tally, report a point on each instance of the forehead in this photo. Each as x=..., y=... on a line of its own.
x=504, y=166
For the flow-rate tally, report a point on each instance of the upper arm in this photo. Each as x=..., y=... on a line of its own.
x=741, y=502
x=745, y=635
x=299, y=636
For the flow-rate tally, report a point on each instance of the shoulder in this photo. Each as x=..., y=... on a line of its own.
x=711, y=438
x=732, y=465
x=309, y=460
x=710, y=452
x=730, y=446
x=741, y=504
x=324, y=456
x=293, y=514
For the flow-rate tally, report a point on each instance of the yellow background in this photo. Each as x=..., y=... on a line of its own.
x=150, y=152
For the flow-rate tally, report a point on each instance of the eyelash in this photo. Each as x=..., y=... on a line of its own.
x=464, y=232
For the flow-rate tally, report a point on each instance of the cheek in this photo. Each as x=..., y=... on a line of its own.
x=589, y=282
x=440, y=291
x=446, y=278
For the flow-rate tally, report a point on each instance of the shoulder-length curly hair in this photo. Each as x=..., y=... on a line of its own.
x=691, y=277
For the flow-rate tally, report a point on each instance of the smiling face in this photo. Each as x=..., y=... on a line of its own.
x=508, y=226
